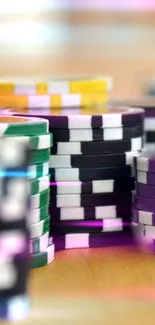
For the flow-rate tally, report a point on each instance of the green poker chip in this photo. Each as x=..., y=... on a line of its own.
x=40, y=199
x=37, y=171
x=37, y=215
x=38, y=244
x=39, y=156
x=39, y=142
x=40, y=184
x=22, y=125
x=43, y=258
x=40, y=228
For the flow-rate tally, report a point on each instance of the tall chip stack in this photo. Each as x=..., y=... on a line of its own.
x=91, y=173
x=14, y=232
x=36, y=131
x=143, y=218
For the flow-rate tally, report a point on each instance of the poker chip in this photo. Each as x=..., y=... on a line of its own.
x=13, y=309
x=39, y=184
x=14, y=86
x=90, y=161
x=143, y=217
x=87, y=200
x=89, y=118
x=90, y=187
x=90, y=212
x=39, y=199
x=149, y=124
x=53, y=101
x=43, y=258
x=144, y=204
x=39, y=244
x=43, y=141
x=39, y=170
x=145, y=162
x=13, y=125
x=40, y=228
x=145, y=178
x=89, y=174
x=38, y=215
x=97, y=147
x=108, y=239
x=150, y=137
x=98, y=134
x=72, y=226
x=145, y=190
x=39, y=156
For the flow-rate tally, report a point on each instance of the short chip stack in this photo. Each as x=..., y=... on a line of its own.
x=144, y=201
x=91, y=172
x=49, y=95
x=14, y=232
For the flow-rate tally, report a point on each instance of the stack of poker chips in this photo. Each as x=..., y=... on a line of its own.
x=14, y=232
x=54, y=94
x=144, y=202
x=91, y=173
x=36, y=131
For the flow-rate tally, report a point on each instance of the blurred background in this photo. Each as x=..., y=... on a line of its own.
x=63, y=37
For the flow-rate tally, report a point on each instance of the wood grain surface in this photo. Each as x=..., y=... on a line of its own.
x=92, y=286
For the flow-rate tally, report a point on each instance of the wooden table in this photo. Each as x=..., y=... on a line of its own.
x=94, y=286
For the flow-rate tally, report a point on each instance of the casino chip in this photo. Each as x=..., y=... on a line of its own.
x=40, y=228
x=143, y=217
x=72, y=226
x=90, y=213
x=90, y=174
x=39, y=244
x=14, y=86
x=90, y=187
x=90, y=161
x=39, y=184
x=97, y=147
x=39, y=170
x=38, y=215
x=98, y=134
x=108, y=239
x=43, y=258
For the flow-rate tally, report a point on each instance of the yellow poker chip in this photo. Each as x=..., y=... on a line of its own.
x=52, y=101
x=14, y=86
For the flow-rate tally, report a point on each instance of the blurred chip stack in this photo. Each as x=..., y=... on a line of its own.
x=14, y=232
x=144, y=201
x=36, y=132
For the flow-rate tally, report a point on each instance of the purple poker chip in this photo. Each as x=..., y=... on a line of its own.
x=69, y=119
x=143, y=217
x=145, y=178
x=145, y=190
x=145, y=162
x=144, y=204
